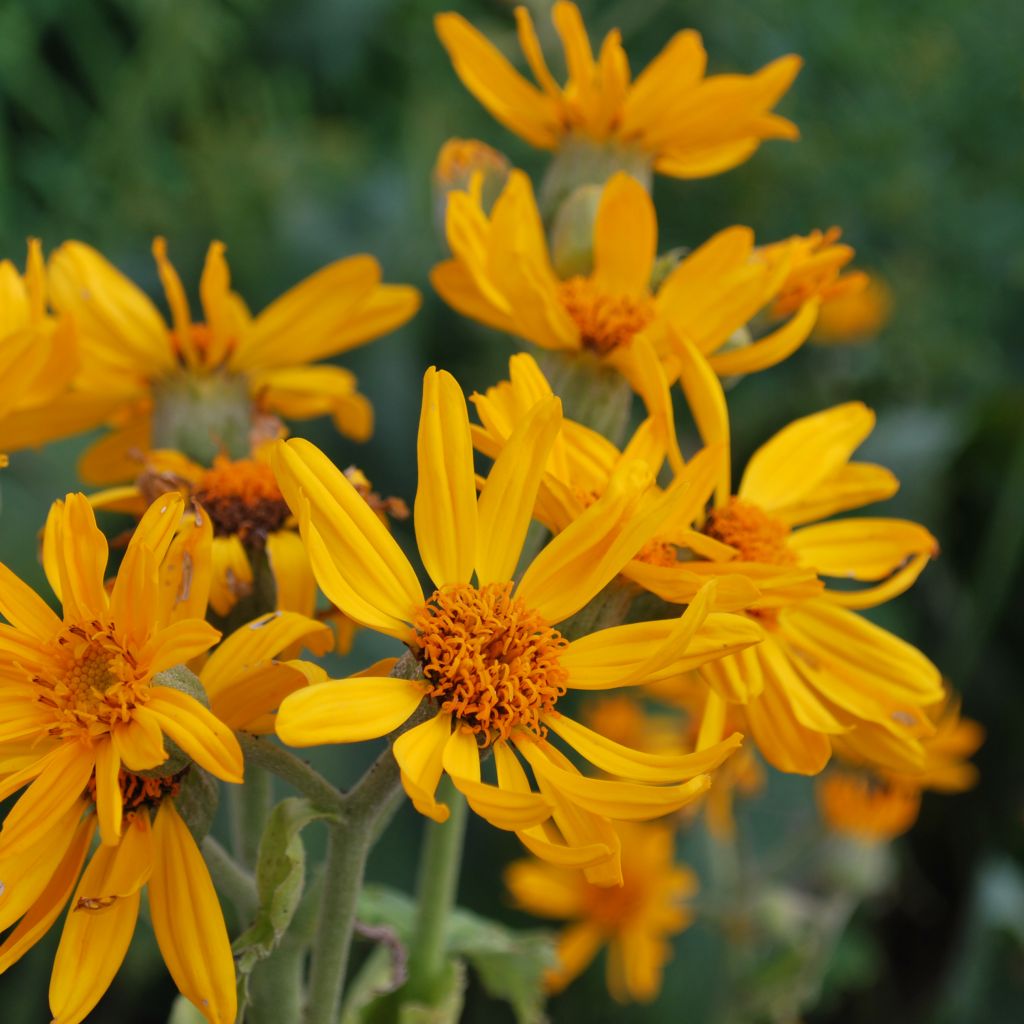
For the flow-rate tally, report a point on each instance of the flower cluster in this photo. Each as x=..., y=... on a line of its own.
x=573, y=538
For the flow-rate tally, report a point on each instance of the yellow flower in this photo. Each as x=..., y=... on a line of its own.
x=38, y=358
x=822, y=671
x=686, y=124
x=130, y=353
x=582, y=464
x=250, y=520
x=493, y=661
x=856, y=313
x=635, y=921
x=81, y=688
x=156, y=851
x=502, y=275
x=812, y=678
x=868, y=810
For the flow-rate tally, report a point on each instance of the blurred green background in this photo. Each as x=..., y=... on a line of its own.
x=298, y=131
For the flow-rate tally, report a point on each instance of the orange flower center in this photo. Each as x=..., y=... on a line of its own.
x=97, y=680
x=757, y=536
x=488, y=659
x=142, y=791
x=242, y=498
x=202, y=340
x=605, y=321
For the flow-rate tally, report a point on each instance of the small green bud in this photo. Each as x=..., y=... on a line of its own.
x=572, y=232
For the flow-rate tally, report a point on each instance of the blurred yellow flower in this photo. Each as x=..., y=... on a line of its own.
x=855, y=314
x=635, y=921
x=80, y=689
x=686, y=124
x=38, y=358
x=492, y=658
x=865, y=809
x=157, y=851
x=129, y=353
x=501, y=274
x=823, y=671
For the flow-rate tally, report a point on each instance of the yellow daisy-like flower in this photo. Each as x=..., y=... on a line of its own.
x=823, y=671
x=493, y=661
x=855, y=314
x=250, y=520
x=501, y=274
x=38, y=358
x=634, y=921
x=683, y=123
x=80, y=688
x=582, y=464
x=156, y=851
x=866, y=809
x=129, y=352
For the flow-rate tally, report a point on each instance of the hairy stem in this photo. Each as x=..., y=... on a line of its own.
x=296, y=772
x=231, y=879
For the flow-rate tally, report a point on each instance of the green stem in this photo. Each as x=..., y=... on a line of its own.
x=367, y=808
x=251, y=806
x=436, y=891
x=296, y=772
x=231, y=879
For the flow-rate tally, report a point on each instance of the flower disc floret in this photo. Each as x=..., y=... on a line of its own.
x=97, y=680
x=756, y=535
x=242, y=499
x=606, y=320
x=489, y=660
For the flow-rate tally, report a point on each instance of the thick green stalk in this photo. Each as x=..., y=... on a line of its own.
x=231, y=879
x=436, y=891
x=296, y=772
x=366, y=810
x=249, y=806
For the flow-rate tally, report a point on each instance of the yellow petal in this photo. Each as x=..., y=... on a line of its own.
x=93, y=943
x=626, y=801
x=445, y=511
x=508, y=809
x=56, y=789
x=802, y=455
x=178, y=644
x=784, y=742
x=357, y=552
x=589, y=553
x=577, y=946
x=510, y=492
x=139, y=744
x=419, y=753
x=50, y=902
x=188, y=922
x=625, y=237
x=81, y=560
x=347, y=710
x=250, y=698
x=24, y=609
x=207, y=740
x=485, y=72
x=861, y=548
x=544, y=891
x=258, y=641
x=770, y=349
x=851, y=486
x=294, y=583
x=108, y=791
x=108, y=308
x=300, y=326
x=627, y=763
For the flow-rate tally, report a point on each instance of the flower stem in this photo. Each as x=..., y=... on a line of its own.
x=366, y=810
x=436, y=891
x=296, y=772
x=231, y=879
x=250, y=805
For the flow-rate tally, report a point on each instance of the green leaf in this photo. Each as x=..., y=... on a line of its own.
x=280, y=876
x=510, y=964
